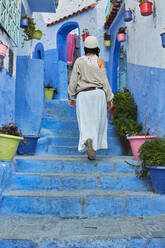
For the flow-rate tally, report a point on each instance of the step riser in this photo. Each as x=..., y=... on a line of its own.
x=91, y=206
x=113, y=151
x=74, y=142
x=119, y=182
x=69, y=133
x=139, y=242
x=52, y=124
x=78, y=166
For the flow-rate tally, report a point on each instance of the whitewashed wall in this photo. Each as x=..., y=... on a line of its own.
x=144, y=41
x=92, y=19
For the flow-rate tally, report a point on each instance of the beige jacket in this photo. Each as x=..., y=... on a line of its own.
x=84, y=76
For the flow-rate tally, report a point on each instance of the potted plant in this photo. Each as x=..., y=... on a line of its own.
x=128, y=15
x=30, y=32
x=37, y=34
x=107, y=39
x=125, y=117
x=28, y=145
x=152, y=154
x=145, y=7
x=137, y=139
x=10, y=137
x=3, y=50
x=121, y=34
x=85, y=34
x=24, y=22
x=49, y=91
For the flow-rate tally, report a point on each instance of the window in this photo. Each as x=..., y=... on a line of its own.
x=11, y=62
x=10, y=13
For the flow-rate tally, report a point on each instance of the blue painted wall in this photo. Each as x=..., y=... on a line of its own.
x=29, y=94
x=6, y=169
x=51, y=67
x=147, y=85
x=7, y=97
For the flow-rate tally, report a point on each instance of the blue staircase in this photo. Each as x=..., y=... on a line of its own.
x=60, y=199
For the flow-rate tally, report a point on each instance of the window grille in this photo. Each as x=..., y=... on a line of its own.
x=1, y=64
x=11, y=62
x=10, y=14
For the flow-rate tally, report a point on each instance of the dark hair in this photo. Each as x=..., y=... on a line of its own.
x=92, y=50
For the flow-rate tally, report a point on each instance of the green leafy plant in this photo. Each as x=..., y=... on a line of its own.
x=152, y=153
x=48, y=86
x=122, y=30
x=125, y=117
x=107, y=36
x=142, y=1
x=10, y=129
x=31, y=29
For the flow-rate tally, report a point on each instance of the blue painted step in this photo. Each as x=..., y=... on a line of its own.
x=72, y=150
x=38, y=230
x=58, y=132
x=73, y=141
x=73, y=164
x=68, y=181
x=83, y=204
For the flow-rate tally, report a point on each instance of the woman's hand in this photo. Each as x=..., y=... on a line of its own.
x=109, y=105
x=72, y=103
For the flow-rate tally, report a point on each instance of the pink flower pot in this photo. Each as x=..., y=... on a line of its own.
x=121, y=37
x=136, y=142
x=3, y=49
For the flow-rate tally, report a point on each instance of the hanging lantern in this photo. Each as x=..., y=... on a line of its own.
x=85, y=34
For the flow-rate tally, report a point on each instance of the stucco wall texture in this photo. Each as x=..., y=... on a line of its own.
x=146, y=65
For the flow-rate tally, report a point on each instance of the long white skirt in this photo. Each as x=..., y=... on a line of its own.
x=91, y=108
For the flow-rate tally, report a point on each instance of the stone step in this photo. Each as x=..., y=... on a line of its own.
x=74, y=164
x=69, y=181
x=52, y=123
x=60, y=116
x=73, y=141
x=72, y=150
x=39, y=231
x=83, y=203
x=59, y=132
x=59, y=124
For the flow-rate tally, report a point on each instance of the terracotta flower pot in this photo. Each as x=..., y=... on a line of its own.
x=136, y=142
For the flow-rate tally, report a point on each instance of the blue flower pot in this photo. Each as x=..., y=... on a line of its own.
x=30, y=147
x=163, y=39
x=24, y=23
x=157, y=175
x=127, y=16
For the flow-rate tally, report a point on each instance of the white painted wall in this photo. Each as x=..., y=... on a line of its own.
x=143, y=36
x=92, y=19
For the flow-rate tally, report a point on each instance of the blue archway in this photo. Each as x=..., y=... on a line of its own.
x=62, y=33
x=39, y=51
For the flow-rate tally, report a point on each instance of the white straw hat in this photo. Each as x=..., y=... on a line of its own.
x=91, y=42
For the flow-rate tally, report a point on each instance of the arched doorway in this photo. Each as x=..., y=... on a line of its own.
x=119, y=75
x=39, y=51
x=62, y=35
